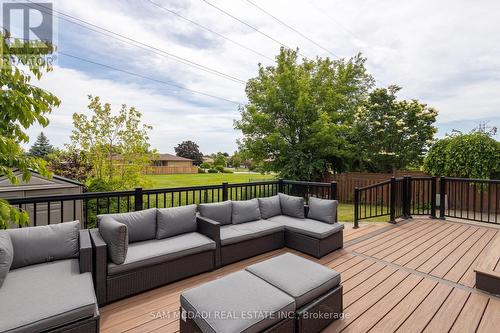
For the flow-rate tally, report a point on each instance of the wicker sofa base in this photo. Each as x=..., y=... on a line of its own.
x=314, y=246
x=284, y=326
x=136, y=281
x=89, y=325
x=318, y=314
x=252, y=247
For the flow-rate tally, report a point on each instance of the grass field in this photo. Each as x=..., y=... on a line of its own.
x=179, y=180
x=345, y=213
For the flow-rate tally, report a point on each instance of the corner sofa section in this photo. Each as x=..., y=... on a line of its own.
x=142, y=250
x=52, y=265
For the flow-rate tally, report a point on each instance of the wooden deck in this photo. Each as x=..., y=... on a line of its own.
x=416, y=276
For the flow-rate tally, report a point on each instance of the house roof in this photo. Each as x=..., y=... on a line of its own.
x=37, y=182
x=170, y=157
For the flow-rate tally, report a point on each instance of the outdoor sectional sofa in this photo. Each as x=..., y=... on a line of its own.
x=252, y=227
x=145, y=249
x=46, y=281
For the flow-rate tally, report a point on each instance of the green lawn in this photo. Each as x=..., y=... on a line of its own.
x=346, y=214
x=179, y=180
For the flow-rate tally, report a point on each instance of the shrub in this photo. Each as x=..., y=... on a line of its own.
x=205, y=165
x=228, y=171
x=212, y=171
x=201, y=170
x=219, y=168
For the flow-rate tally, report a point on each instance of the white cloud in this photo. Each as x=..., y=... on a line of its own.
x=441, y=52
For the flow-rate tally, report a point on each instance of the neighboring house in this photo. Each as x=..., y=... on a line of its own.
x=208, y=159
x=170, y=164
x=41, y=186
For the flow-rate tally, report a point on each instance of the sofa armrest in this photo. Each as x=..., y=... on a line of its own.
x=85, y=251
x=100, y=264
x=209, y=228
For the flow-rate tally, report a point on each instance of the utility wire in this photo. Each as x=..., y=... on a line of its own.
x=210, y=30
x=139, y=44
x=250, y=26
x=291, y=28
x=145, y=77
x=322, y=11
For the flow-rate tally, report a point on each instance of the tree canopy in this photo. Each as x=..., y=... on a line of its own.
x=42, y=147
x=22, y=105
x=471, y=155
x=189, y=149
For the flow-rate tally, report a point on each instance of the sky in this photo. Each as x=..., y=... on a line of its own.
x=443, y=53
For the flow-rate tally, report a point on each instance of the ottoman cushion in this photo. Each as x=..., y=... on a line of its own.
x=300, y=278
x=239, y=302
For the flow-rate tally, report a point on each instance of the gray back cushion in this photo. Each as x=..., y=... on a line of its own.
x=34, y=245
x=141, y=224
x=115, y=234
x=292, y=206
x=175, y=221
x=219, y=212
x=6, y=255
x=323, y=210
x=245, y=211
x=270, y=206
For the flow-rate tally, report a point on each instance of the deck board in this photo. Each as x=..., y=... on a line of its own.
x=382, y=290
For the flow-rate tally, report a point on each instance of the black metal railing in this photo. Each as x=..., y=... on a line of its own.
x=469, y=199
x=86, y=206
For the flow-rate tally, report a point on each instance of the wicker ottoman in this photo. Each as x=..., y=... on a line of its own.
x=239, y=302
x=315, y=288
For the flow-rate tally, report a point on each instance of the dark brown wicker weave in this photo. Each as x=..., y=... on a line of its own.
x=110, y=288
x=314, y=246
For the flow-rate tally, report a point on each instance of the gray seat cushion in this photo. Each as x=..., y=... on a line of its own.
x=253, y=303
x=245, y=211
x=323, y=210
x=115, y=234
x=157, y=251
x=175, y=221
x=292, y=206
x=235, y=233
x=34, y=245
x=269, y=207
x=6, y=255
x=141, y=224
x=219, y=211
x=308, y=227
x=300, y=278
x=41, y=297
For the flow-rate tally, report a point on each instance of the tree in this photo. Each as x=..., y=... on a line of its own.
x=70, y=164
x=189, y=149
x=22, y=105
x=391, y=134
x=236, y=160
x=220, y=160
x=42, y=147
x=117, y=146
x=299, y=116
x=472, y=155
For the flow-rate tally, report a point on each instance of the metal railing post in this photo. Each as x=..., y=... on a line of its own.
x=392, y=201
x=333, y=190
x=224, y=191
x=356, y=208
x=138, y=199
x=280, y=185
x=442, y=197
x=408, y=197
x=433, y=197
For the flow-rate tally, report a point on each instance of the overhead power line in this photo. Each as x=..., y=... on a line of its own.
x=291, y=28
x=210, y=30
x=145, y=77
x=250, y=26
x=324, y=12
x=136, y=43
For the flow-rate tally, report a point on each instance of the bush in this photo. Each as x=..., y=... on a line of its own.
x=219, y=168
x=205, y=165
x=212, y=171
x=201, y=170
x=228, y=171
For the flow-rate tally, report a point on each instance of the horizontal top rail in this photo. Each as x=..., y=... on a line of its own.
x=263, y=182
x=67, y=197
x=180, y=189
x=385, y=182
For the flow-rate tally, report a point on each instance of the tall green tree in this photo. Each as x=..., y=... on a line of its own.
x=189, y=149
x=299, y=114
x=392, y=134
x=117, y=146
x=42, y=147
x=22, y=104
